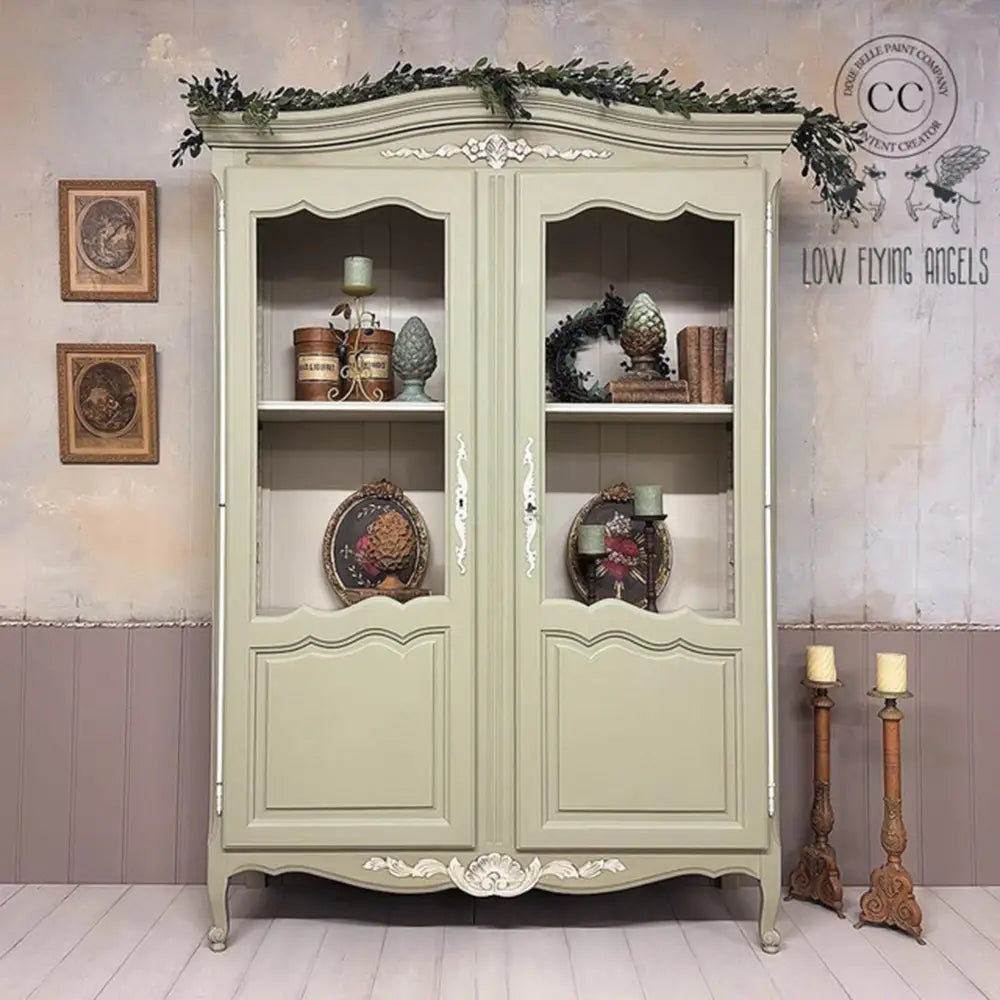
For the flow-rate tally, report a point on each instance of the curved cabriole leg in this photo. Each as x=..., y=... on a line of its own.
x=218, y=892
x=770, y=897
x=218, y=897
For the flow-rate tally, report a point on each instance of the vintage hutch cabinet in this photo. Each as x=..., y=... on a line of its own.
x=498, y=734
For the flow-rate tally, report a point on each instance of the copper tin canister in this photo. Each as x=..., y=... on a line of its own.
x=317, y=362
x=368, y=372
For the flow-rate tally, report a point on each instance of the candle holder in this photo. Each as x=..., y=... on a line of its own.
x=816, y=877
x=890, y=899
x=589, y=561
x=650, y=522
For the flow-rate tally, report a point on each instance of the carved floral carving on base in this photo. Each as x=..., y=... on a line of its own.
x=494, y=874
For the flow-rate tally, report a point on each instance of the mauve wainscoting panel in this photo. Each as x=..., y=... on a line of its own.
x=98, y=806
x=105, y=756
x=984, y=696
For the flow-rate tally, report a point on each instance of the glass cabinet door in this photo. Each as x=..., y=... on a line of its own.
x=350, y=661
x=640, y=675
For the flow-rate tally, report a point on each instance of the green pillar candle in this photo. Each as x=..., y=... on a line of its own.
x=590, y=540
x=358, y=276
x=648, y=501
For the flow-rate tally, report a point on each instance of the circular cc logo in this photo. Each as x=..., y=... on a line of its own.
x=903, y=89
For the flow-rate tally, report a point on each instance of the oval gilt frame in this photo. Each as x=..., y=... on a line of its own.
x=622, y=495
x=384, y=495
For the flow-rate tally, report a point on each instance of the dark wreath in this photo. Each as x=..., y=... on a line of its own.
x=603, y=319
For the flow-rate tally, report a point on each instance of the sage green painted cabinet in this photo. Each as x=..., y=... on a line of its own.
x=500, y=733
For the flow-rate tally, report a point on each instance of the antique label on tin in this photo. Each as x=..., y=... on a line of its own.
x=318, y=368
x=368, y=365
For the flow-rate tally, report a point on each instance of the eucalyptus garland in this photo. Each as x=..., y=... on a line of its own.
x=823, y=140
x=600, y=320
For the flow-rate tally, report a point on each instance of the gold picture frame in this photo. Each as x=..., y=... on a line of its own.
x=107, y=241
x=107, y=403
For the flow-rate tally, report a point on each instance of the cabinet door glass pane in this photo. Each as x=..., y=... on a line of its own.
x=671, y=430
x=354, y=429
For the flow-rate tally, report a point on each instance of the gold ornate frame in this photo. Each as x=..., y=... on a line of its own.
x=138, y=441
x=82, y=281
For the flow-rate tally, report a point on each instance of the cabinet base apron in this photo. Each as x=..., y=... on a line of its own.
x=495, y=873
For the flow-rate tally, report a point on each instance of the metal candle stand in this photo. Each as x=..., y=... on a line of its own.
x=816, y=876
x=650, y=522
x=890, y=899
x=589, y=560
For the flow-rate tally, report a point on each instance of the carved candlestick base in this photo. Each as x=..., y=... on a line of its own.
x=816, y=877
x=890, y=900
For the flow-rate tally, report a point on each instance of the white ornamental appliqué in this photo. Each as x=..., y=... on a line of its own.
x=494, y=874
x=496, y=150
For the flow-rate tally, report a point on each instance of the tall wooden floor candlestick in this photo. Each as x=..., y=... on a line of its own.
x=890, y=899
x=816, y=876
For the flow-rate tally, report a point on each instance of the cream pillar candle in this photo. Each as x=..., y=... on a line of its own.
x=358, y=276
x=648, y=501
x=890, y=673
x=820, y=665
x=590, y=540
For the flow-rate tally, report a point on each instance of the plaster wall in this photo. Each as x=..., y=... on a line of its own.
x=888, y=445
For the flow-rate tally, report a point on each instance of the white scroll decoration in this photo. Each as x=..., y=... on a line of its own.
x=461, y=505
x=530, y=508
x=496, y=150
x=494, y=874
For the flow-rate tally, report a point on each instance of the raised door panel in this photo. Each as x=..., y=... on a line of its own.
x=632, y=745
x=666, y=725
x=360, y=746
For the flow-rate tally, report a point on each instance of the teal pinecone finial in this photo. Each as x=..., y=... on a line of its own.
x=414, y=358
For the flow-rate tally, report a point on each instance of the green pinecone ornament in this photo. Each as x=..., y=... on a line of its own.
x=414, y=358
x=643, y=336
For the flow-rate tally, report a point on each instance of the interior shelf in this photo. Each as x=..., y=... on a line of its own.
x=682, y=413
x=281, y=411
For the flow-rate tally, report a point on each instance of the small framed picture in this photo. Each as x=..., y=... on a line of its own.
x=107, y=403
x=107, y=241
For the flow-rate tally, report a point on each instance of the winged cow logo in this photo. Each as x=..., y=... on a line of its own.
x=950, y=169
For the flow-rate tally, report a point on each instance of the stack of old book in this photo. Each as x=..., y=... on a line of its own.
x=701, y=362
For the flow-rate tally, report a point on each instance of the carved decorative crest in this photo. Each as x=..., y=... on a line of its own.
x=382, y=489
x=619, y=493
x=496, y=150
x=493, y=874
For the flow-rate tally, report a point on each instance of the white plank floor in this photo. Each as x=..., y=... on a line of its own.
x=308, y=939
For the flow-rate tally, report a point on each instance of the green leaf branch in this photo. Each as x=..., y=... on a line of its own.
x=823, y=141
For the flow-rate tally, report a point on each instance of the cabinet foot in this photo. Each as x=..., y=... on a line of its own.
x=218, y=898
x=770, y=898
x=217, y=938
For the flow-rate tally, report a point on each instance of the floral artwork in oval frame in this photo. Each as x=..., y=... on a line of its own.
x=347, y=545
x=621, y=573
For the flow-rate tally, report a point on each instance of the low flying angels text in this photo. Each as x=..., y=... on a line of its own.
x=895, y=265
